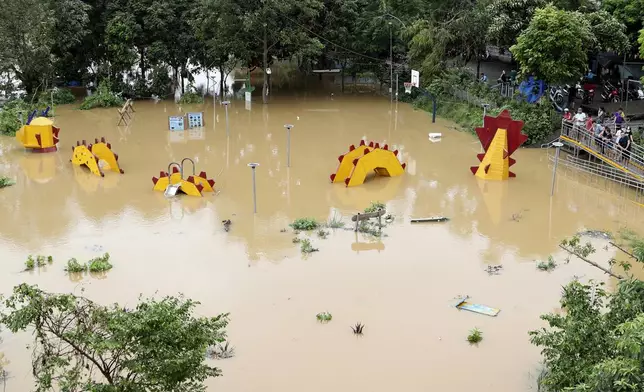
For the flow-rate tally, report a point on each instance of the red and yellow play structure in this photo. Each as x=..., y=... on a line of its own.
x=356, y=164
x=194, y=185
x=90, y=155
x=500, y=137
x=40, y=135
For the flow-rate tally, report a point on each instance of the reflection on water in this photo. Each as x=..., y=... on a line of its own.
x=406, y=278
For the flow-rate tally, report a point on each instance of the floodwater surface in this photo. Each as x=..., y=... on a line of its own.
x=401, y=286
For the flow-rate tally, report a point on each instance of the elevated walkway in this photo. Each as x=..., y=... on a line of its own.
x=607, y=151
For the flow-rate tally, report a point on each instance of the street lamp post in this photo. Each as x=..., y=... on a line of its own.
x=253, y=166
x=288, y=144
x=391, y=65
x=226, y=103
x=558, y=145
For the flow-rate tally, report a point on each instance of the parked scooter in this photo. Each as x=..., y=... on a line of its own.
x=610, y=93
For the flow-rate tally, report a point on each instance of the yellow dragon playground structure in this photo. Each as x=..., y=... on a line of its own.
x=173, y=183
x=39, y=135
x=90, y=155
x=356, y=164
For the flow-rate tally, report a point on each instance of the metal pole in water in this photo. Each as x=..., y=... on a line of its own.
x=226, y=103
x=396, y=86
x=253, y=166
x=288, y=143
x=558, y=145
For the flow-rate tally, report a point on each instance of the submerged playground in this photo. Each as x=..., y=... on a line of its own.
x=413, y=223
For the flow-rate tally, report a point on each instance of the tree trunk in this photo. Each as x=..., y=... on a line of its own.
x=478, y=67
x=183, y=87
x=265, y=64
x=222, y=92
x=142, y=64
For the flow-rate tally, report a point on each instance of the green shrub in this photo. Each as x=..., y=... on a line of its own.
x=305, y=224
x=30, y=263
x=102, y=98
x=75, y=267
x=5, y=182
x=374, y=207
x=61, y=96
x=307, y=247
x=190, y=98
x=475, y=336
x=100, y=264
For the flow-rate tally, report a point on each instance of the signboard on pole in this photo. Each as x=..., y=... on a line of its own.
x=176, y=123
x=415, y=78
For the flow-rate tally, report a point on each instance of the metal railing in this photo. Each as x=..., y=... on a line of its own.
x=630, y=162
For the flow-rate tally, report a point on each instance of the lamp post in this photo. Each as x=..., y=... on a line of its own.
x=558, y=145
x=226, y=103
x=288, y=144
x=391, y=65
x=253, y=166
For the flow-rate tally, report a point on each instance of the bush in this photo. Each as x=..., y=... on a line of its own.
x=10, y=116
x=75, y=267
x=190, y=98
x=5, y=182
x=304, y=224
x=540, y=119
x=102, y=98
x=61, y=96
x=100, y=264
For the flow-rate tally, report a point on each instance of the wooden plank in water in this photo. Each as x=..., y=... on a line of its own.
x=430, y=219
x=476, y=308
x=368, y=215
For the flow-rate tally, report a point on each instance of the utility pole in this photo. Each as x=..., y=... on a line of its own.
x=391, y=65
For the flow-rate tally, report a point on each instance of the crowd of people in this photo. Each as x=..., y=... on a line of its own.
x=610, y=132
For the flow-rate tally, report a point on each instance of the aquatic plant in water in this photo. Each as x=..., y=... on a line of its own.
x=335, y=222
x=324, y=317
x=40, y=261
x=357, y=329
x=220, y=351
x=74, y=266
x=99, y=264
x=547, y=266
x=5, y=182
x=322, y=234
x=475, y=336
x=375, y=206
x=305, y=224
x=306, y=246
x=190, y=98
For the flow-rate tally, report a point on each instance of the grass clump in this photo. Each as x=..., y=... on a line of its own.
x=220, y=351
x=335, y=222
x=322, y=234
x=39, y=261
x=324, y=317
x=358, y=328
x=547, y=266
x=475, y=336
x=375, y=206
x=5, y=182
x=305, y=224
x=100, y=264
x=306, y=246
x=103, y=98
x=190, y=98
x=74, y=266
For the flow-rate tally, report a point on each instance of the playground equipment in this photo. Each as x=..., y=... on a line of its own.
x=358, y=162
x=125, y=112
x=500, y=137
x=90, y=154
x=39, y=135
x=173, y=183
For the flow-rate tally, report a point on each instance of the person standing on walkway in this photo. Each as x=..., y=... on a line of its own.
x=626, y=143
x=601, y=115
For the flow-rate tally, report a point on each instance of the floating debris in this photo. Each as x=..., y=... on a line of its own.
x=430, y=219
x=221, y=351
x=596, y=234
x=226, y=224
x=494, y=269
x=462, y=304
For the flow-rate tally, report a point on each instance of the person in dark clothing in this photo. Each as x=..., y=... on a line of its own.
x=606, y=138
x=626, y=143
x=572, y=93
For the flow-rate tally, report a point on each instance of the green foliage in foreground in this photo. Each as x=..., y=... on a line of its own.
x=305, y=224
x=5, y=182
x=596, y=345
x=102, y=98
x=158, y=346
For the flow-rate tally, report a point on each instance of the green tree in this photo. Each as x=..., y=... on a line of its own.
x=509, y=19
x=629, y=12
x=158, y=346
x=554, y=46
x=608, y=31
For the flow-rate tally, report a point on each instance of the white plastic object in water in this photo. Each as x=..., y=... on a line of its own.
x=435, y=135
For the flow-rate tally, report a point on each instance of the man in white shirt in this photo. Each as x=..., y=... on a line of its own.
x=580, y=118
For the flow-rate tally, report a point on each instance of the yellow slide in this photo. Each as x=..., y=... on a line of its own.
x=381, y=160
x=90, y=155
x=192, y=186
x=346, y=162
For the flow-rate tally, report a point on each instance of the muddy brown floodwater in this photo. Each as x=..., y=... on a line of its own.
x=401, y=286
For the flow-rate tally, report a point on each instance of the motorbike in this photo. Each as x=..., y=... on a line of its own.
x=635, y=93
x=610, y=93
x=585, y=93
